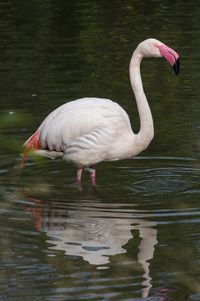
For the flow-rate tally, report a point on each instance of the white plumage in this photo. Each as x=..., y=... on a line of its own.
x=105, y=125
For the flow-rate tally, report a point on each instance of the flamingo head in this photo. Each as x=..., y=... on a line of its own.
x=155, y=48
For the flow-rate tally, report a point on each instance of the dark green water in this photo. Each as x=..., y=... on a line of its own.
x=137, y=235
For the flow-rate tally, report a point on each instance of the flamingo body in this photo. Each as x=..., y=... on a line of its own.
x=86, y=131
x=90, y=130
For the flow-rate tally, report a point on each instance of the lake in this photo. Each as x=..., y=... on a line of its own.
x=135, y=236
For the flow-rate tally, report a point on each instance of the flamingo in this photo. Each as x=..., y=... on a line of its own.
x=89, y=130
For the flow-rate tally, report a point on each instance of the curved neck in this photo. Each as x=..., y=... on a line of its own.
x=146, y=131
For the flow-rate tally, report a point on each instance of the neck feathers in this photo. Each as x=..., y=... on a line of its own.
x=146, y=131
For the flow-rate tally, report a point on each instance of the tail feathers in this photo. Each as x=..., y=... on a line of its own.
x=32, y=143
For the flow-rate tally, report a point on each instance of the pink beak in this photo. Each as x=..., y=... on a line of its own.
x=171, y=56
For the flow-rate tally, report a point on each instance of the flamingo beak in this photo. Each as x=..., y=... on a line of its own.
x=171, y=56
x=176, y=66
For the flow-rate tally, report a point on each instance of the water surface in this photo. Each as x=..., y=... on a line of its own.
x=136, y=235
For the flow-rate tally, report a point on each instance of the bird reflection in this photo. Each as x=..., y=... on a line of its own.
x=96, y=231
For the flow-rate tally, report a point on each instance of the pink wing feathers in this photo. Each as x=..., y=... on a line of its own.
x=32, y=143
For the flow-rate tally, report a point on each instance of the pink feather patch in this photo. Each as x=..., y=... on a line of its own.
x=31, y=144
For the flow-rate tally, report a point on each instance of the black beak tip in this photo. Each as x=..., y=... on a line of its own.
x=176, y=66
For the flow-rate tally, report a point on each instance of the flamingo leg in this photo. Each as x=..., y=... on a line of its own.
x=92, y=171
x=93, y=175
x=78, y=177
